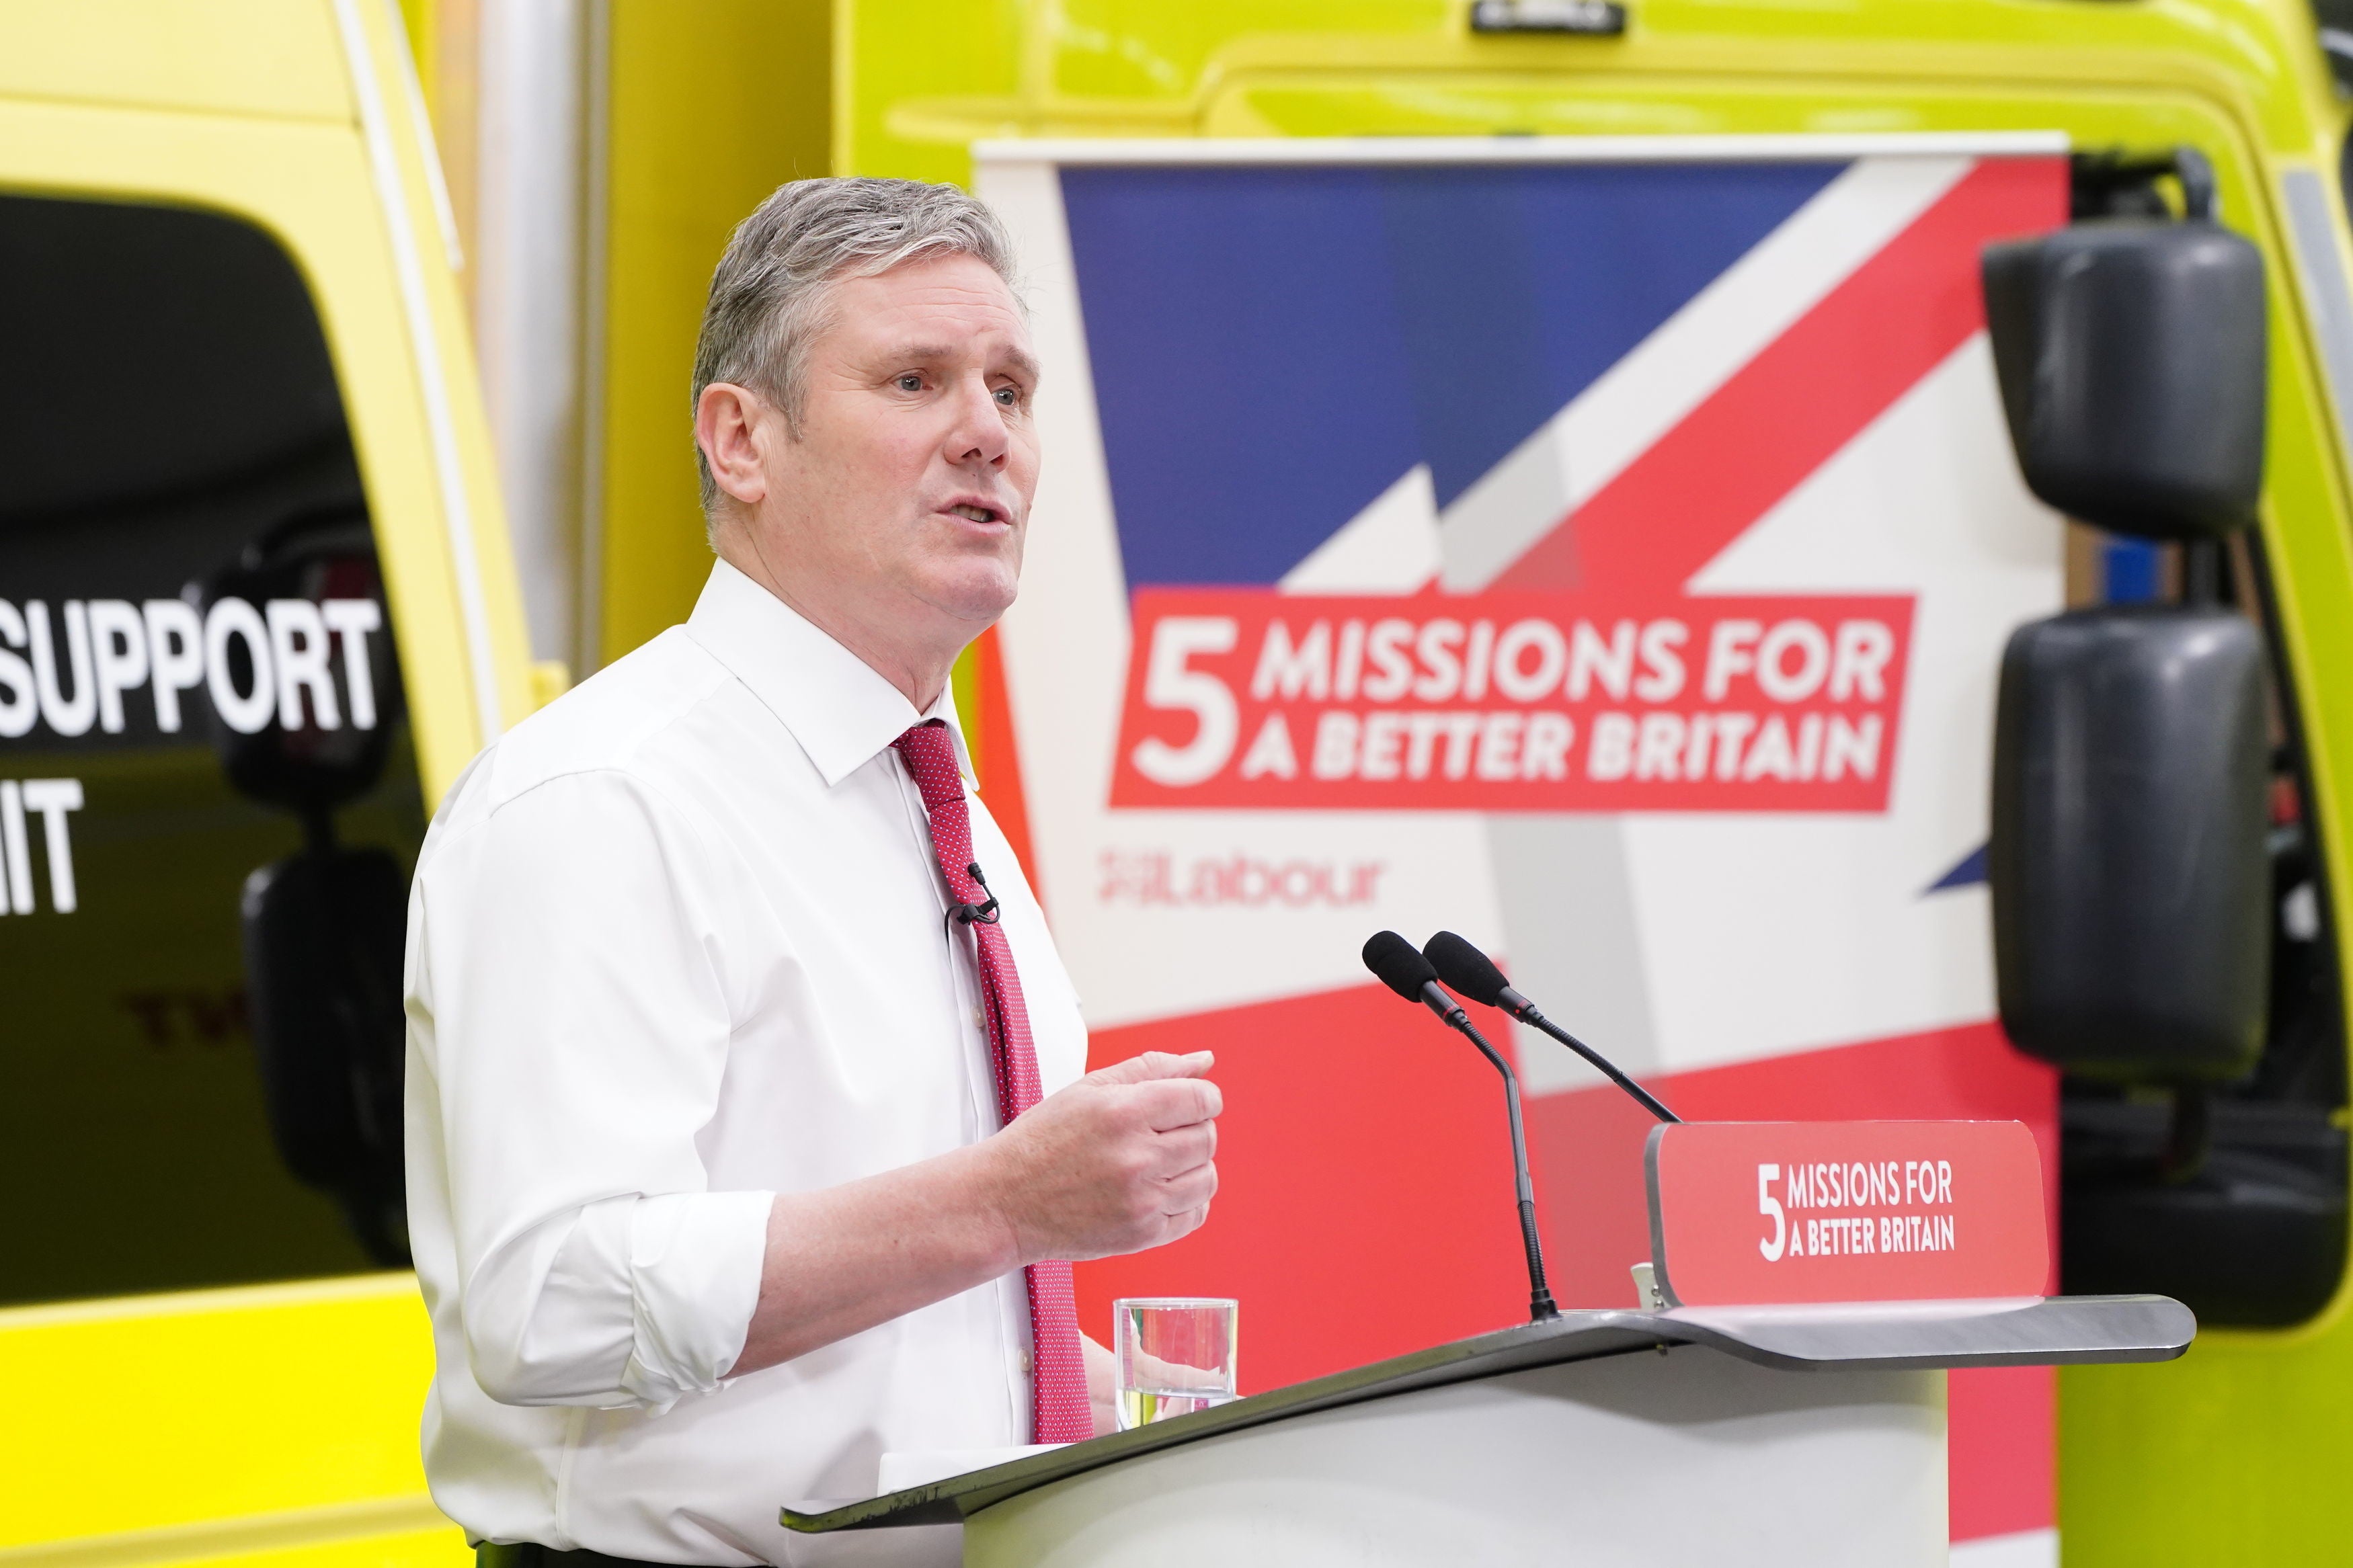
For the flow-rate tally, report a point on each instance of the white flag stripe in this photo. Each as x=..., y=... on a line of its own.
x=1642, y=397
x=1391, y=547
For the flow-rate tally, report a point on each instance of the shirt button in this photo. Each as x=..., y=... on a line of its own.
x=1025, y=1361
x=979, y=1019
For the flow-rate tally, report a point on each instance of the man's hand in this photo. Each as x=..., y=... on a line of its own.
x=1119, y=1162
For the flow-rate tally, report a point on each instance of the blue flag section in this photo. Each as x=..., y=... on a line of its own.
x=1273, y=347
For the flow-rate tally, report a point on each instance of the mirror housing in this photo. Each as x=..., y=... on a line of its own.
x=2131, y=360
x=324, y=940
x=310, y=771
x=2129, y=864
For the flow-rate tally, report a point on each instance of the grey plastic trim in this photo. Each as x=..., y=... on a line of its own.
x=2320, y=277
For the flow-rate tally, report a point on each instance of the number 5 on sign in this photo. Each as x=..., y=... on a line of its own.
x=1169, y=683
x=1767, y=1204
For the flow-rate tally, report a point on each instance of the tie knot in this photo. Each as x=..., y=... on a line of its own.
x=930, y=756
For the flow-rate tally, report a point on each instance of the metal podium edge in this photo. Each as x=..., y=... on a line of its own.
x=2032, y=1332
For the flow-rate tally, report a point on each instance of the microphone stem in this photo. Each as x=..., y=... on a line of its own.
x=1540, y=1302
x=1528, y=1014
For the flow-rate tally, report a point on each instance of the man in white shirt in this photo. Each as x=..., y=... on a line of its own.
x=730, y=1010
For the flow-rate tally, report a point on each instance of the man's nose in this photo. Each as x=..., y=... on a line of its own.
x=979, y=433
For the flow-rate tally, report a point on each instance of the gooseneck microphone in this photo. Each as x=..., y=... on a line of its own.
x=1407, y=972
x=1473, y=973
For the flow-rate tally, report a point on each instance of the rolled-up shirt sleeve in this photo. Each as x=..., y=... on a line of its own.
x=568, y=996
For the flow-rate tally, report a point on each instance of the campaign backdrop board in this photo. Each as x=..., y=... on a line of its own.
x=1601, y=548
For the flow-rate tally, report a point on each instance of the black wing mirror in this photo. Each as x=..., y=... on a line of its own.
x=2130, y=874
x=323, y=945
x=325, y=927
x=2133, y=871
x=2131, y=355
x=311, y=770
x=2128, y=862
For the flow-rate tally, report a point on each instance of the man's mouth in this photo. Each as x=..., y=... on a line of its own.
x=976, y=513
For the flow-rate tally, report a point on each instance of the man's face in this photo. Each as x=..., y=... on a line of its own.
x=906, y=495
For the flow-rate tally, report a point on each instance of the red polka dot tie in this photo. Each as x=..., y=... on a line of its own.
x=1058, y=1389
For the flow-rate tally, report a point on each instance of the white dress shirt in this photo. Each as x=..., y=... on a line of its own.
x=677, y=944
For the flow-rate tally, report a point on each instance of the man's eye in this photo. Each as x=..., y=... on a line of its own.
x=910, y=382
x=1009, y=398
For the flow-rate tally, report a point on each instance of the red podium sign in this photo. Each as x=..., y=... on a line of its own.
x=1757, y=1212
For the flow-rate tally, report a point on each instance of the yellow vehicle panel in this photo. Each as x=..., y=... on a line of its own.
x=279, y=59
x=278, y=1419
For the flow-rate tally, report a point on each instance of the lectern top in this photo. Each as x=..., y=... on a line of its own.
x=2026, y=1331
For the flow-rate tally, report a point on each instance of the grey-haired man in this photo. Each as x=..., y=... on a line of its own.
x=747, y=1133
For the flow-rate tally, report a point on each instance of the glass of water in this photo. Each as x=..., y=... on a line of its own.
x=1175, y=1355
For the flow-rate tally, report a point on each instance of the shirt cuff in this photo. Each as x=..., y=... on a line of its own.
x=694, y=1265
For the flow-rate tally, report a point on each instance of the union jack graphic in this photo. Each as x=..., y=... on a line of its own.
x=1560, y=502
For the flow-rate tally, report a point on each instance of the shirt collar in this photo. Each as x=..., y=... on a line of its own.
x=840, y=710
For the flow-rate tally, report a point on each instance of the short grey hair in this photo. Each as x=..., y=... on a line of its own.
x=769, y=294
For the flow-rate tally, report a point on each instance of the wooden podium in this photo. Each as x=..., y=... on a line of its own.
x=1691, y=1438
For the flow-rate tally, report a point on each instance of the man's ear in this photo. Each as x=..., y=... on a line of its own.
x=729, y=427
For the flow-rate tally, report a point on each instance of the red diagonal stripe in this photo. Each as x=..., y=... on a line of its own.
x=1814, y=389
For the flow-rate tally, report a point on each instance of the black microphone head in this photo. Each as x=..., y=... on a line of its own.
x=1465, y=970
x=1402, y=970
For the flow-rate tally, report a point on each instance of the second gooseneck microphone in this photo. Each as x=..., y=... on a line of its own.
x=1392, y=958
x=1473, y=973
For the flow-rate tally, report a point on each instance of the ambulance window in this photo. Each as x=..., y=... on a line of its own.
x=208, y=807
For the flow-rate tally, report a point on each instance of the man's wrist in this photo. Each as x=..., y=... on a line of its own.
x=993, y=1182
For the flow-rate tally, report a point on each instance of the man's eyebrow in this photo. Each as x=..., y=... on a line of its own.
x=1021, y=362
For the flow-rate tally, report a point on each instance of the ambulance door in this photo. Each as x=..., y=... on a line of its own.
x=254, y=613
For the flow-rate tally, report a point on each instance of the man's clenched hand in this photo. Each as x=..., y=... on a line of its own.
x=1121, y=1161
x=1118, y=1162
